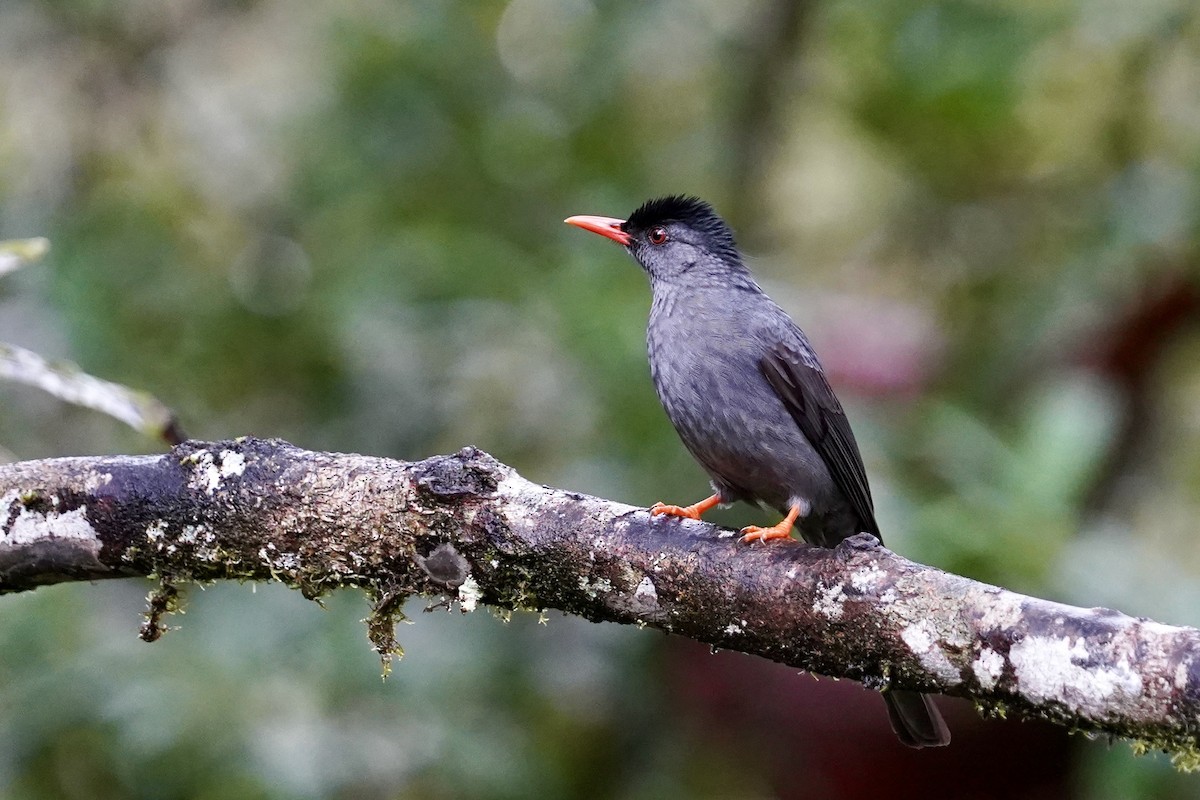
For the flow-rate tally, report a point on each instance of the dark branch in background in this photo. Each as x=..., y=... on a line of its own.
x=763, y=91
x=468, y=528
x=1129, y=354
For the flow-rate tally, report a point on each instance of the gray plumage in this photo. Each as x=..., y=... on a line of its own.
x=709, y=341
x=744, y=389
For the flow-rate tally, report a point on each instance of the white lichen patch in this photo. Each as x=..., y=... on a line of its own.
x=31, y=526
x=206, y=475
x=988, y=666
x=191, y=533
x=289, y=561
x=156, y=530
x=204, y=540
x=232, y=463
x=922, y=639
x=1055, y=668
x=645, y=590
x=469, y=595
x=208, y=471
x=34, y=526
x=865, y=578
x=918, y=637
x=7, y=499
x=1004, y=610
x=593, y=588
x=830, y=601
x=282, y=563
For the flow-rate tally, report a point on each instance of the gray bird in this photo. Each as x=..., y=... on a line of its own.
x=747, y=395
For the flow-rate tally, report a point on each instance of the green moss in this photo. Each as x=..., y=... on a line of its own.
x=386, y=613
x=1184, y=755
x=991, y=709
x=161, y=602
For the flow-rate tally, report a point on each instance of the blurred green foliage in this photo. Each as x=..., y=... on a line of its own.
x=340, y=224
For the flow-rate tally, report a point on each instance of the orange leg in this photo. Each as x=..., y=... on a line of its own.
x=780, y=530
x=691, y=512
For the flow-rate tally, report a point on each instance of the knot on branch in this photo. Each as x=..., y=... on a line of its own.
x=444, y=565
x=469, y=472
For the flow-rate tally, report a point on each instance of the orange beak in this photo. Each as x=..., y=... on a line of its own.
x=605, y=226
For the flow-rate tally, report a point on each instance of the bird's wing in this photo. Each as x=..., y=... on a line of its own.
x=801, y=384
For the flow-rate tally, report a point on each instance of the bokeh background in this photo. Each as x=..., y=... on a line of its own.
x=339, y=222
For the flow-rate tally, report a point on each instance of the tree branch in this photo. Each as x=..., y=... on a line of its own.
x=469, y=528
x=64, y=380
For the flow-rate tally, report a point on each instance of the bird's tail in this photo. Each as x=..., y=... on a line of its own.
x=916, y=720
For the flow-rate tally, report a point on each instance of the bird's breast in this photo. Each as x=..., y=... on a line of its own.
x=706, y=372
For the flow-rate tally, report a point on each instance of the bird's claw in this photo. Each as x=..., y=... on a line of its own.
x=754, y=533
x=689, y=512
x=780, y=530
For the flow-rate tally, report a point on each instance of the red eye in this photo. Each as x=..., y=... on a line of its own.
x=657, y=235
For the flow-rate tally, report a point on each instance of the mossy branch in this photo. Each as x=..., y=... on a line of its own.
x=468, y=528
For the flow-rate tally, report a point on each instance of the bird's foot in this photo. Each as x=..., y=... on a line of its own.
x=753, y=533
x=780, y=530
x=691, y=512
x=674, y=511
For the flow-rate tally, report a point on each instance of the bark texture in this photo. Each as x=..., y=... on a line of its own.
x=469, y=528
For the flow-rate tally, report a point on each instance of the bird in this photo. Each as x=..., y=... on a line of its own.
x=744, y=389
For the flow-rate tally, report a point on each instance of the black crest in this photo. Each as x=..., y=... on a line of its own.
x=690, y=211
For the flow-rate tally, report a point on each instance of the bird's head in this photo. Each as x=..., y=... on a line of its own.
x=673, y=238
